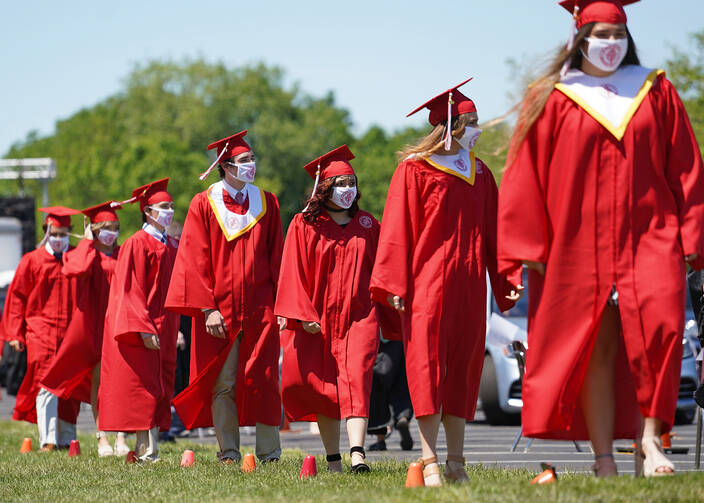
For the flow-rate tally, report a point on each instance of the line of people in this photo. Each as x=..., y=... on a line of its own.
x=604, y=186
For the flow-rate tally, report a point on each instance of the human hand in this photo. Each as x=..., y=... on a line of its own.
x=215, y=324
x=396, y=302
x=151, y=341
x=312, y=327
x=180, y=341
x=17, y=345
x=282, y=322
x=516, y=294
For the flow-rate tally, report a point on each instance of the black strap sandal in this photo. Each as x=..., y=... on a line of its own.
x=360, y=467
x=333, y=457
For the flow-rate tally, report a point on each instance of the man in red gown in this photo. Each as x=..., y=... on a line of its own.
x=38, y=309
x=139, y=343
x=225, y=278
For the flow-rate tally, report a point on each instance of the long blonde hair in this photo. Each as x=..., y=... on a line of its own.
x=433, y=141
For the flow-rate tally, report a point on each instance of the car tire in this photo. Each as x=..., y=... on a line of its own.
x=489, y=394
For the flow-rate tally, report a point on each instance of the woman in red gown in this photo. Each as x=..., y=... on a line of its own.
x=603, y=199
x=332, y=325
x=438, y=241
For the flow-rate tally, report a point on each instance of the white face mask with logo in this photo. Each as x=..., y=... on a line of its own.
x=469, y=138
x=606, y=54
x=343, y=196
x=58, y=243
x=246, y=171
x=107, y=237
x=164, y=217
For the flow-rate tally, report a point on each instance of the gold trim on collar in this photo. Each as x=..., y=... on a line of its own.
x=249, y=226
x=472, y=170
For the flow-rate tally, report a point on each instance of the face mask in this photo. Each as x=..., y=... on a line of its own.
x=343, y=196
x=58, y=244
x=245, y=171
x=164, y=217
x=107, y=237
x=469, y=138
x=606, y=54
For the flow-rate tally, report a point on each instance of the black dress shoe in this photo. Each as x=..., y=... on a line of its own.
x=406, y=439
x=378, y=446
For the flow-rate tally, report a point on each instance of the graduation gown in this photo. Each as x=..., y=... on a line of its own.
x=604, y=208
x=229, y=260
x=38, y=308
x=70, y=373
x=438, y=240
x=136, y=383
x=324, y=278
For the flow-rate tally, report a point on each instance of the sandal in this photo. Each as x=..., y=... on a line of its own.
x=431, y=472
x=359, y=467
x=337, y=460
x=657, y=465
x=455, y=472
x=596, y=467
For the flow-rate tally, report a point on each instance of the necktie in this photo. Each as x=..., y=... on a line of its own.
x=239, y=198
x=58, y=256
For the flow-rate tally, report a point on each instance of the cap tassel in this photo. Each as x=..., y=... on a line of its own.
x=131, y=200
x=315, y=187
x=46, y=236
x=448, y=126
x=205, y=174
x=570, y=40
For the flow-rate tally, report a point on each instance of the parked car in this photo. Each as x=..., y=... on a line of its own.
x=500, y=387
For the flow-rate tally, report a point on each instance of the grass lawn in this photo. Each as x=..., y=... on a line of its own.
x=50, y=477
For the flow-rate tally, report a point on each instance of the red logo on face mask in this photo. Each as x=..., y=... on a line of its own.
x=460, y=165
x=610, y=55
x=347, y=198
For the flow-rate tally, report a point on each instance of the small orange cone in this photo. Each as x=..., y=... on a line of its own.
x=26, y=445
x=308, y=469
x=131, y=457
x=547, y=477
x=74, y=449
x=248, y=463
x=666, y=440
x=414, y=478
x=188, y=458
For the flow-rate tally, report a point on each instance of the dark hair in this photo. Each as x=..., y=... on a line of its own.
x=45, y=227
x=539, y=90
x=322, y=196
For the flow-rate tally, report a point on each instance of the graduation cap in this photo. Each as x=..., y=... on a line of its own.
x=445, y=106
x=58, y=216
x=334, y=163
x=151, y=193
x=104, y=212
x=597, y=11
x=226, y=148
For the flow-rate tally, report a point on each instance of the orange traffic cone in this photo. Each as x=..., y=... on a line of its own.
x=187, y=458
x=414, y=478
x=74, y=449
x=26, y=445
x=308, y=469
x=248, y=463
x=131, y=457
x=547, y=477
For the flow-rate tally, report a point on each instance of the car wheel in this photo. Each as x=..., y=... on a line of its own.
x=489, y=393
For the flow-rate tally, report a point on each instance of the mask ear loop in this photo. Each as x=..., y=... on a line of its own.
x=570, y=40
x=315, y=187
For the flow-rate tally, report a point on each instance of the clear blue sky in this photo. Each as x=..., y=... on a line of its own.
x=381, y=58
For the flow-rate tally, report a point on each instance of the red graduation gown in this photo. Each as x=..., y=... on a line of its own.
x=602, y=212
x=237, y=277
x=438, y=240
x=324, y=278
x=38, y=309
x=70, y=372
x=136, y=383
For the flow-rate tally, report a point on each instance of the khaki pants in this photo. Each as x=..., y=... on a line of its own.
x=147, y=447
x=225, y=418
x=52, y=430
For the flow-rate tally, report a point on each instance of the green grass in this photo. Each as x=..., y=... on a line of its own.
x=50, y=477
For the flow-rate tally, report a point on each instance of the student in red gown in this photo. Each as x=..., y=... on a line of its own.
x=225, y=278
x=332, y=325
x=75, y=372
x=139, y=344
x=603, y=199
x=438, y=240
x=38, y=310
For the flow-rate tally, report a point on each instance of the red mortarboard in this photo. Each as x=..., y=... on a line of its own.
x=104, y=212
x=59, y=216
x=334, y=163
x=151, y=193
x=597, y=11
x=226, y=148
x=438, y=106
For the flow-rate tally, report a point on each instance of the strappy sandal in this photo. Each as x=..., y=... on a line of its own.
x=659, y=465
x=597, y=465
x=455, y=474
x=431, y=472
x=333, y=458
x=359, y=467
